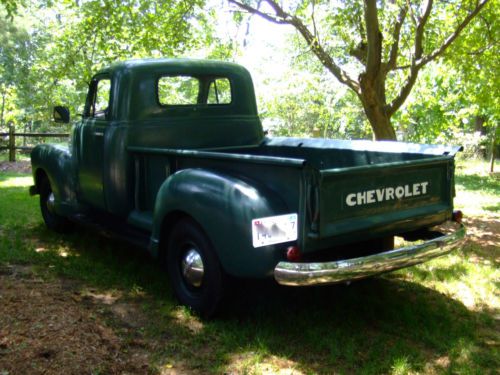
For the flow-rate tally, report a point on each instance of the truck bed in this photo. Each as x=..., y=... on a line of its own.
x=325, y=154
x=360, y=185
x=341, y=190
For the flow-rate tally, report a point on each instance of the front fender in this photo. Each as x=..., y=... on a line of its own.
x=56, y=163
x=225, y=207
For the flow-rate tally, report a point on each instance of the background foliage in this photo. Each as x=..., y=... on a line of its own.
x=49, y=49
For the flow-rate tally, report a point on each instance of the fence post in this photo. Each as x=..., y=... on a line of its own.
x=493, y=149
x=12, y=143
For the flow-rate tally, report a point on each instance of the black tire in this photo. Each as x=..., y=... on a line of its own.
x=52, y=220
x=205, y=298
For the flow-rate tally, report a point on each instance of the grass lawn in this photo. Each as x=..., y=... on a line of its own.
x=441, y=317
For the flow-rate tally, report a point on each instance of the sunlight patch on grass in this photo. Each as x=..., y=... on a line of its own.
x=166, y=369
x=184, y=318
x=437, y=366
x=456, y=275
x=481, y=202
x=462, y=353
x=478, y=191
x=17, y=182
x=61, y=251
x=401, y=366
x=108, y=297
x=16, y=210
x=259, y=363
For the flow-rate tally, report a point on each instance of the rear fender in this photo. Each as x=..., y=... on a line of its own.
x=224, y=206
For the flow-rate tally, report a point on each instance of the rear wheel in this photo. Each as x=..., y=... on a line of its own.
x=52, y=220
x=194, y=269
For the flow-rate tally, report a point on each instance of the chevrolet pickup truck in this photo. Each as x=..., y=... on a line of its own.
x=171, y=155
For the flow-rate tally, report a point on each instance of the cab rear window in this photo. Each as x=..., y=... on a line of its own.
x=184, y=90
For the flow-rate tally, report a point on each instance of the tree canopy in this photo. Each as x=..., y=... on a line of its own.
x=50, y=51
x=346, y=68
x=377, y=49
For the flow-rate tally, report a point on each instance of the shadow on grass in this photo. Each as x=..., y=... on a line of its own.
x=483, y=239
x=448, y=273
x=369, y=327
x=493, y=208
x=101, y=261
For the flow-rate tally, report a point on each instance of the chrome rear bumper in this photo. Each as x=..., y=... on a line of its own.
x=303, y=274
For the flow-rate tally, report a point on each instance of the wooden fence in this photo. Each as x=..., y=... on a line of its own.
x=12, y=135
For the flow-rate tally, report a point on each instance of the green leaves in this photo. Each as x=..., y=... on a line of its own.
x=311, y=105
x=51, y=59
x=11, y=7
x=375, y=48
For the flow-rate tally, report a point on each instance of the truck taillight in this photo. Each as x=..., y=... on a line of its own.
x=293, y=254
x=457, y=216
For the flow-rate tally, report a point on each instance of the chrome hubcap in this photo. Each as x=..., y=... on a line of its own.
x=192, y=268
x=51, y=202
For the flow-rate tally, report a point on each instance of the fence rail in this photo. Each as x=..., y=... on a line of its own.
x=12, y=140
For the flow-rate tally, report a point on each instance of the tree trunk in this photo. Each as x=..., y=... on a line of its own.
x=380, y=123
x=374, y=104
x=479, y=124
x=3, y=109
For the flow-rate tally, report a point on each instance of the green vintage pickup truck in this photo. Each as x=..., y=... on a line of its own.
x=171, y=155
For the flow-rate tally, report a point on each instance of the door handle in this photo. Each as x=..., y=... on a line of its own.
x=99, y=134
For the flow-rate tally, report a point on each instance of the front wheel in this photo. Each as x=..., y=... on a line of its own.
x=52, y=220
x=194, y=269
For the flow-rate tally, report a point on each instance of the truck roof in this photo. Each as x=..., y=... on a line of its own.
x=194, y=66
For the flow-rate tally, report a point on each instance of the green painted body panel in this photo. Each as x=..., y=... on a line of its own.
x=224, y=206
x=57, y=164
x=342, y=189
x=144, y=163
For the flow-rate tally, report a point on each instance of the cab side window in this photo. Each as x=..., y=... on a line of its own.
x=100, y=101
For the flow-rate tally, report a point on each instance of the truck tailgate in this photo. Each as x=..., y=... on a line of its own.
x=384, y=198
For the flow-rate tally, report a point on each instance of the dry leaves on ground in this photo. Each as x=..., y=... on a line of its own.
x=47, y=327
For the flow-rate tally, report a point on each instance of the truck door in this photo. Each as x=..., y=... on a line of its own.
x=93, y=134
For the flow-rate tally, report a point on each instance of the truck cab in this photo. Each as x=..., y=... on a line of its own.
x=179, y=104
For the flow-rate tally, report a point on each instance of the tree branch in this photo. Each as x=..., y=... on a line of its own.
x=282, y=17
x=439, y=51
x=373, y=38
x=323, y=56
x=313, y=18
x=419, y=32
x=396, y=34
x=414, y=67
x=418, y=61
x=253, y=10
x=412, y=13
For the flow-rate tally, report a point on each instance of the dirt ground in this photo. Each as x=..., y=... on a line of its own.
x=19, y=166
x=49, y=327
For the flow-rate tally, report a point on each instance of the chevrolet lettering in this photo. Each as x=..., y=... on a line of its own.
x=170, y=155
x=387, y=194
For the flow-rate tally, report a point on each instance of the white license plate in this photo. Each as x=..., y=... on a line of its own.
x=274, y=229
